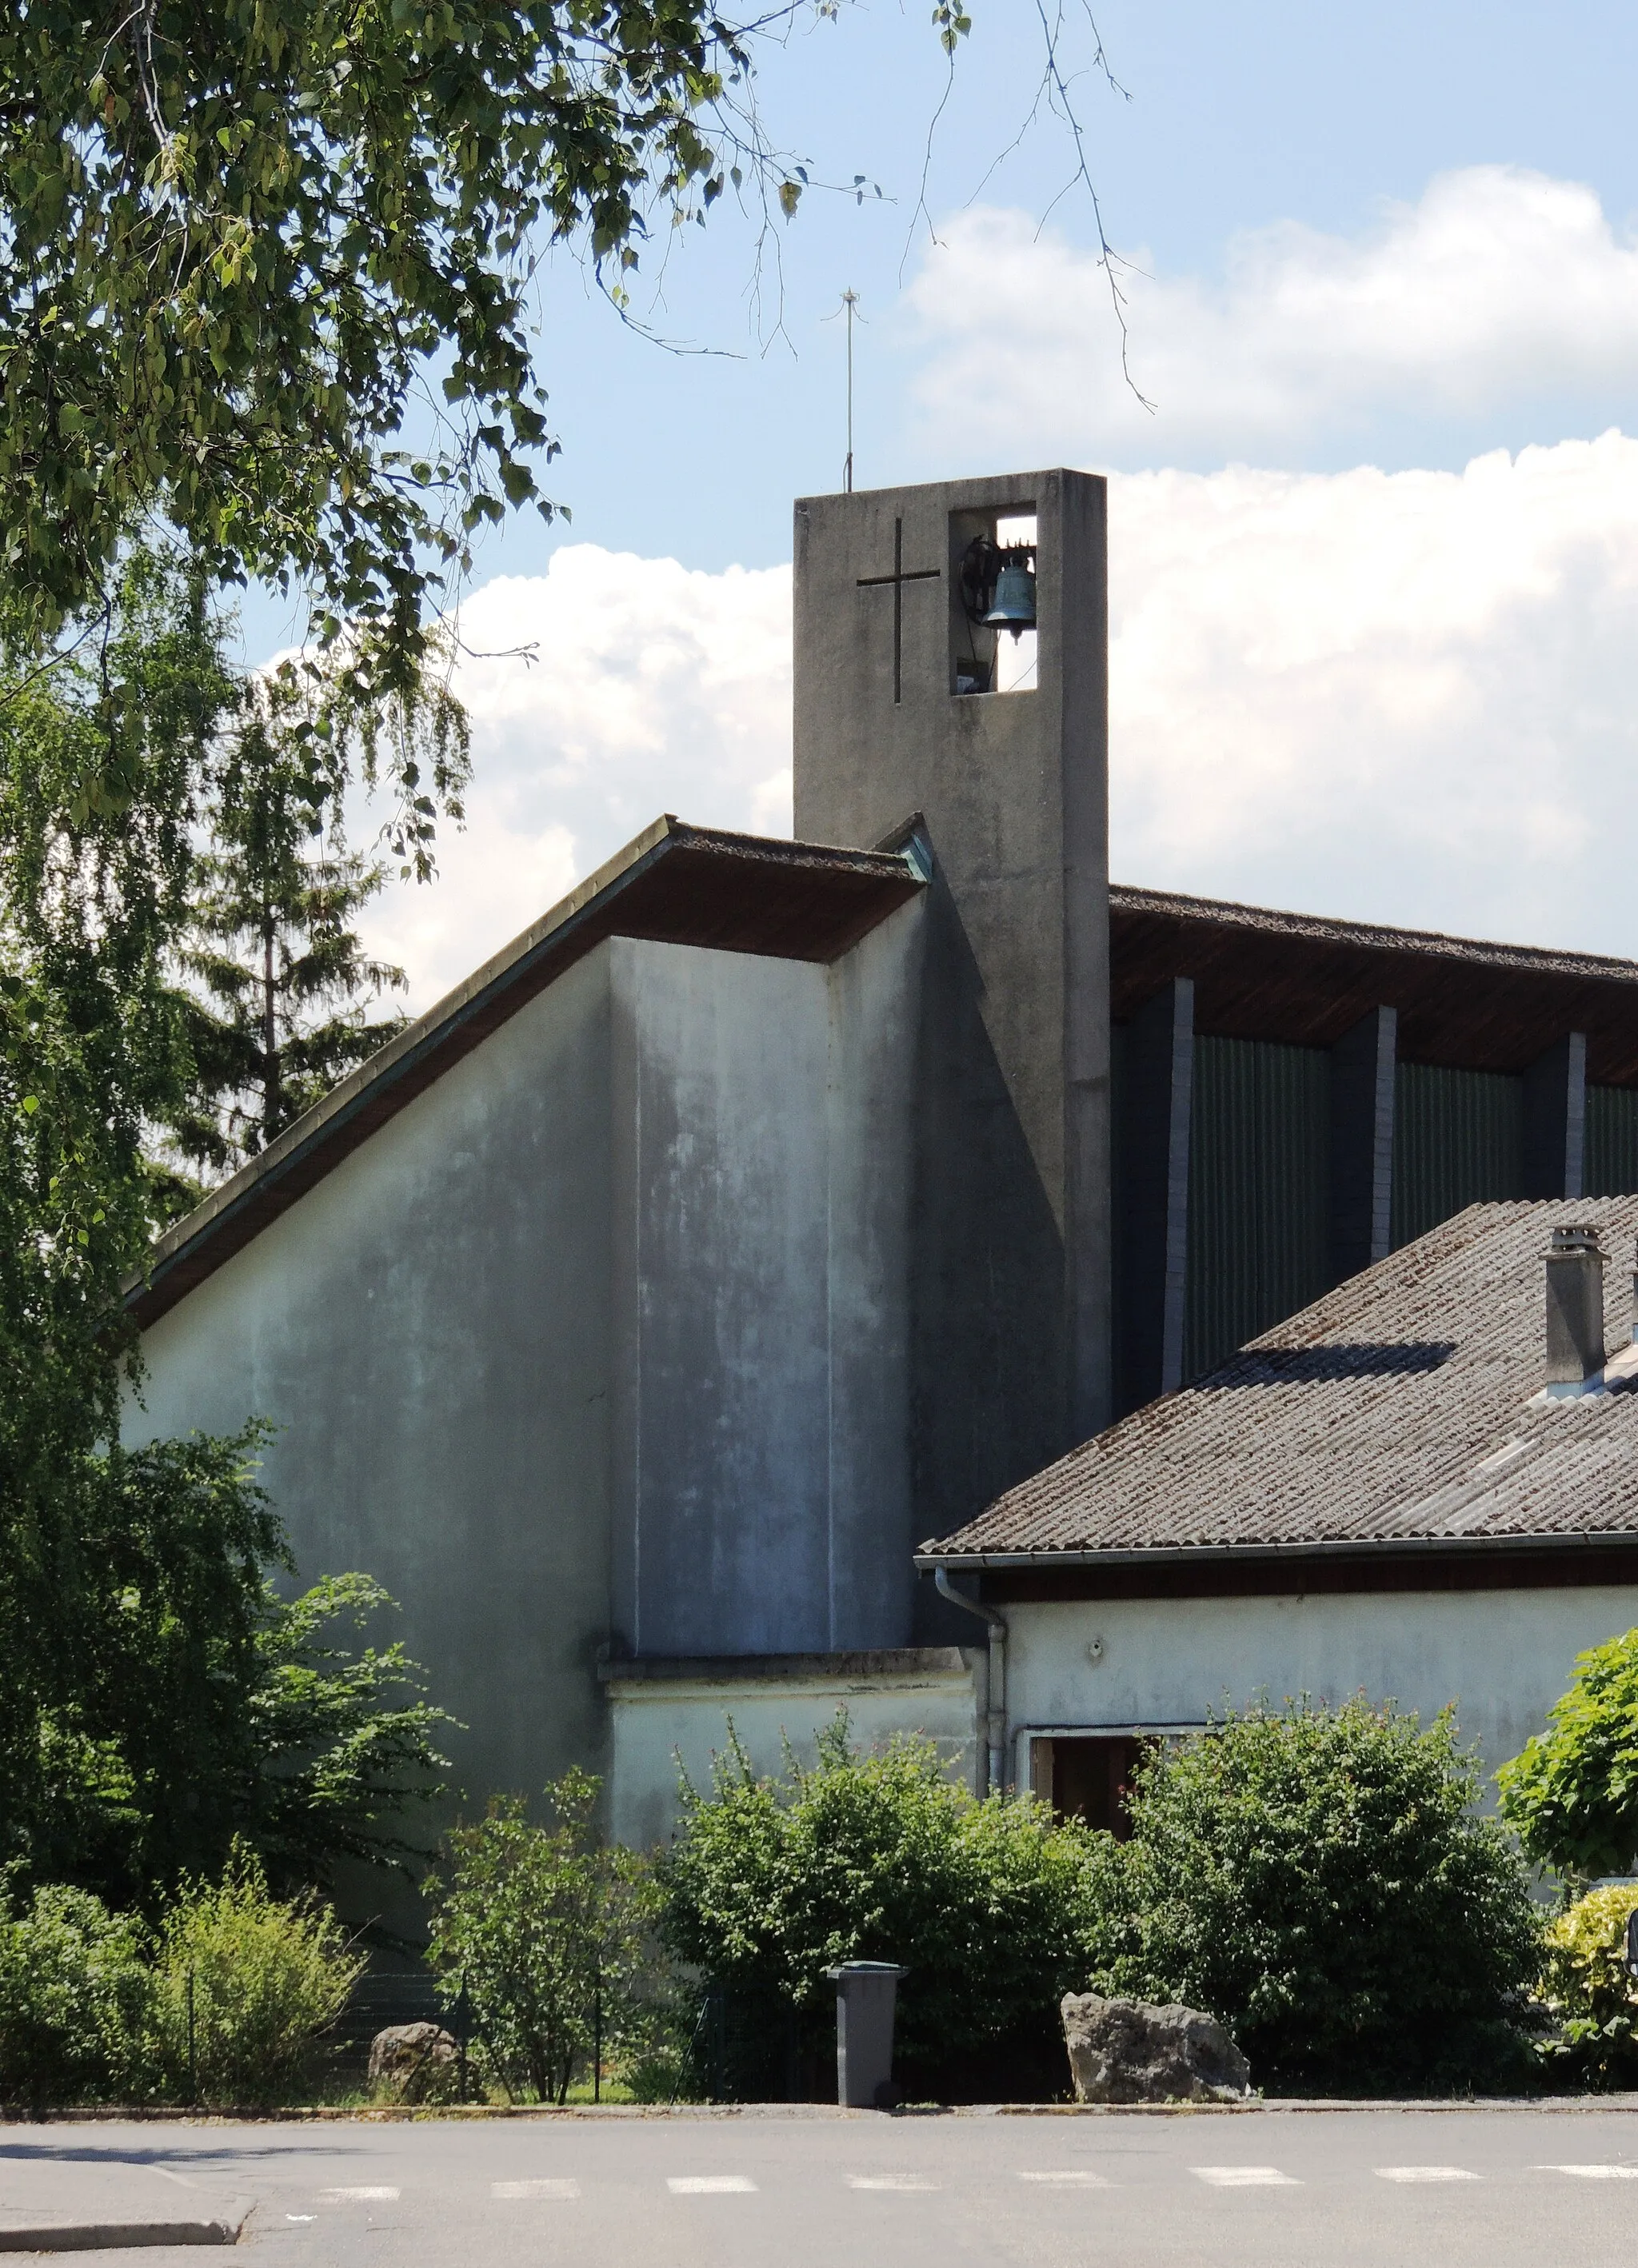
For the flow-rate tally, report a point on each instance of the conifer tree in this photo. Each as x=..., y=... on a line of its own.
x=282, y=999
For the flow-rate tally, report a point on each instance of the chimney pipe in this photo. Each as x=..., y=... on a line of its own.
x=1574, y=1311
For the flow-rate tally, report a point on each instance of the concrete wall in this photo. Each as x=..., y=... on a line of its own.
x=601, y=1343
x=666, y=1726
x=1502, y=1657
x=1010, y=1254
x=429, y=1329
x=761, y=1167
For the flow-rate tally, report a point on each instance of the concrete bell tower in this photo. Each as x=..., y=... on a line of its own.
x=899, y=735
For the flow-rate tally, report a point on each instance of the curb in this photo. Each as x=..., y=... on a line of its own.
x=1563, y=2106
x=118, y=2235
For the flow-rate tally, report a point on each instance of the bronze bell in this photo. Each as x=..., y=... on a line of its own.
x=1012, y=607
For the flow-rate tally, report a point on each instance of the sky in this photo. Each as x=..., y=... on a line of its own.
x=1374, y=548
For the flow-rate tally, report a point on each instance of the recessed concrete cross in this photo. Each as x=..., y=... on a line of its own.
x=900, y=576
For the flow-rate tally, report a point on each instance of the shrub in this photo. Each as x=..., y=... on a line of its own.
x=1590, y=1993
x=990, y=1906
x=1317, y=1879
x=547, y=1932
x=1572, y=1795
x=246, y=1987
x=74, y=1992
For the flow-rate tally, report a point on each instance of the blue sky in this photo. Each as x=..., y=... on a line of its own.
x=1238, y=119
x=1374, y=557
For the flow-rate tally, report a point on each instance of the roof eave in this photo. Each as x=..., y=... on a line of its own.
x=1351, y=1547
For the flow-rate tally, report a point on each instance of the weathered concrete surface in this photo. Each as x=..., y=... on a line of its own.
x=600, y=1345
x=428, y=1330
x=1010, y=1269
x=1130, y=2052
x=760, y=1158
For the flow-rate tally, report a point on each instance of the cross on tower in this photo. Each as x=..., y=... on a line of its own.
x=900, y=576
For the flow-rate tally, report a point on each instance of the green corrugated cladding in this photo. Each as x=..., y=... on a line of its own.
x=1260, y=1166
x=1458, y=1138
x=1612, y=1154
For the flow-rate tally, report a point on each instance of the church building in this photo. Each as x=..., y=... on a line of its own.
x=771, y=1207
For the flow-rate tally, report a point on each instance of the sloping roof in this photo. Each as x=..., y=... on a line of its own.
x=1396, y=1411
x=1263, y=975
x=675, y=885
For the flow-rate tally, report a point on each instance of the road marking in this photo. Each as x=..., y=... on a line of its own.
x=1072, y=2180
x=1595, y=2173
x=301, y=2216
x=380, y=2195
x=544, y=2189
x=1245, y=2177
x=1425, y=2174
x=888, y=2181
x=166, y=2175
x=709, y=2184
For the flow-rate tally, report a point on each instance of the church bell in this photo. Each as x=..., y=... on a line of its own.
x=1012, y=607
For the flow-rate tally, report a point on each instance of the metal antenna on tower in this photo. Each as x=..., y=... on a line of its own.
x=849, y=301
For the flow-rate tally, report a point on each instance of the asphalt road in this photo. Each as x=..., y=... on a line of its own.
x=1391, y=2189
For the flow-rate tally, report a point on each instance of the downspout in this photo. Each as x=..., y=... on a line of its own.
x=995, y=1683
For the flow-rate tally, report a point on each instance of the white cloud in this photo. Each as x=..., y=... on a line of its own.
x=650, y=688
x=1409, y=696
x=1498, y=289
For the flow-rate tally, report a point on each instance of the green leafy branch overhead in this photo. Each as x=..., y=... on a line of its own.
x=239, y=236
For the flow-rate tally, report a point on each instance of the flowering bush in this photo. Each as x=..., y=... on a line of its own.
x=1590, y=1991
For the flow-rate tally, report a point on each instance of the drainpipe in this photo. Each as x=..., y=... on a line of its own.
x=995, y=1683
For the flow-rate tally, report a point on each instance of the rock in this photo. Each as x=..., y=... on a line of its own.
x=415, y=2063
x=1128, y=2052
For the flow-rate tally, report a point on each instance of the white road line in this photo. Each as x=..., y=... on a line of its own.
x=1425, y=2174
x=708, y=2184
x=542, y=2188
x=1245, y=2177
x=166, y=2175
x=380, y=2195
x=1594, y=2173
x=888, y=2181
x=1075, y=2179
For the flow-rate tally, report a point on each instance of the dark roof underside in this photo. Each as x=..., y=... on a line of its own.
x=1395, y=1412
x=675, y=885
x=1266, y=975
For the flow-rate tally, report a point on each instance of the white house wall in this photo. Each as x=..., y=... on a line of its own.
x=1502, y=1657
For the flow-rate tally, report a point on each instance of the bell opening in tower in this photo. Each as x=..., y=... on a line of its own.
x=992, y=612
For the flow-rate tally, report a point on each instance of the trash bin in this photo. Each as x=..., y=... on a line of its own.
x=866, y=1992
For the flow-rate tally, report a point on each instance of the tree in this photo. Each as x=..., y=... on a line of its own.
x=1319, y=1880
x=544, y=1930
x=1571, y=1796
x=136, y=1628
x=187, y=1704
x=270, y=271
x=240, y=238
x=92, y=888
x=272, y=946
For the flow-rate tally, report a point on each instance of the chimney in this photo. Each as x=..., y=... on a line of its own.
x=1574, y=1311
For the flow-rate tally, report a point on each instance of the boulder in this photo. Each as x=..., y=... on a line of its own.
x=415, y=2063
x=1129, y=2051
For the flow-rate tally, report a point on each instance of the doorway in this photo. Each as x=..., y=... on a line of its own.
x=1089, y=1777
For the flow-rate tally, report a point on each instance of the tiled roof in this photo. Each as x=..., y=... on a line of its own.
x=1396, y=1410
